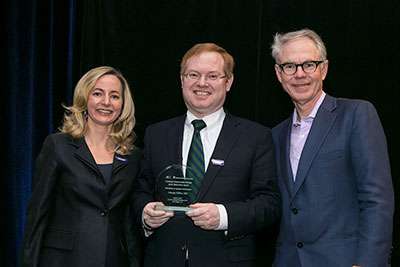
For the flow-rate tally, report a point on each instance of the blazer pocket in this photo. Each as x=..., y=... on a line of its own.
x=328, y=156
x=61, y=239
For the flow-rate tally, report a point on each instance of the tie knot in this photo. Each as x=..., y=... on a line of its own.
x=198, y=125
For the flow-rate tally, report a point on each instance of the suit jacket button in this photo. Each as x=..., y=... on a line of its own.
x=295, y=211
x=104, y=212
x=300, y=244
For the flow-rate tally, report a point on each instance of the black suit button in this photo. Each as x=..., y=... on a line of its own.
x=295, y=211
x=300, y=244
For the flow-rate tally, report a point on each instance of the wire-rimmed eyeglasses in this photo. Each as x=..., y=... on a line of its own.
x=307, y=66
x=196, y=76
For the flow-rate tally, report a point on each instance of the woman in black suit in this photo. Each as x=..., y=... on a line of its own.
x=83, y=179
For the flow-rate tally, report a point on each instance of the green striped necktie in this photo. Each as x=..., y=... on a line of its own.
x=195, y=160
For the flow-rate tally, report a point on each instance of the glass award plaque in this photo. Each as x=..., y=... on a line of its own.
x=174, y=188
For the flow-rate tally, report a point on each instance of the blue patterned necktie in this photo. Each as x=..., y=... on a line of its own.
x=195, y=160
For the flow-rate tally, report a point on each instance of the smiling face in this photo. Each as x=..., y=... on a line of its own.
x=205, y=96
x=104, y=102
x=304, y=88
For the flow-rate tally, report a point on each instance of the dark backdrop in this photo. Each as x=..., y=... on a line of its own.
x=50, y=44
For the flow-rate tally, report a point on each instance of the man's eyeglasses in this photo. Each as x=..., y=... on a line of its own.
x=307, y=66
x=196, y=76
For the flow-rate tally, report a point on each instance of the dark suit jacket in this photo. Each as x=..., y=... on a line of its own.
x=74, y=218
x=339, y=211
x=245, y=185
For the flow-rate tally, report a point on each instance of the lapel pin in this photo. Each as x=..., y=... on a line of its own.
x=121, y=159
x=218, y=162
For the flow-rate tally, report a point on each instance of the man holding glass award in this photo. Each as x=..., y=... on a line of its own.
x=208, y=180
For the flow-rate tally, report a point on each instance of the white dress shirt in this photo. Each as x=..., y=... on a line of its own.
x=209, y=136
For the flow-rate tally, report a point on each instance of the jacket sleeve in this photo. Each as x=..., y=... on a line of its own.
x=374, y=186
x=37, y=214
x=145, y=181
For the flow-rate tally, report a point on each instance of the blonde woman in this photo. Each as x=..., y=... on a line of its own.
x=83, y=179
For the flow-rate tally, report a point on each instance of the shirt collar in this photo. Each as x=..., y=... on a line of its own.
x=210, y=120
x=313, y=112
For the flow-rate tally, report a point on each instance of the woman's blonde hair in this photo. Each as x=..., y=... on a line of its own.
x=75, y=116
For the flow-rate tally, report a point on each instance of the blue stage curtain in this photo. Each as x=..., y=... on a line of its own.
x=39, y=72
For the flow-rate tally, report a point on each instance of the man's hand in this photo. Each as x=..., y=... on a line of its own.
x=153, y=216
x=204, y=215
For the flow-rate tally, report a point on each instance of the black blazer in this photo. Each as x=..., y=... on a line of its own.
x=74, y=218
x=246, y=185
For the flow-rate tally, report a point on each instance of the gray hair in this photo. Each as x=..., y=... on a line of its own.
x=280, y=39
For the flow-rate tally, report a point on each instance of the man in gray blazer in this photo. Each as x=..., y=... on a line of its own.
x=333, y=167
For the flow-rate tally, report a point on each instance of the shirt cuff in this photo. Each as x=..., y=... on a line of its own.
x=146, y=228
x=223, y=217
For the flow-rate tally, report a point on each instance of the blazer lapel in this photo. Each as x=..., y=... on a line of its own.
x=285, y=165
x=119, y=162
x=175, y=139
x=319, y=130
x=226, y=140
x=82, y=153
x=117, y=181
